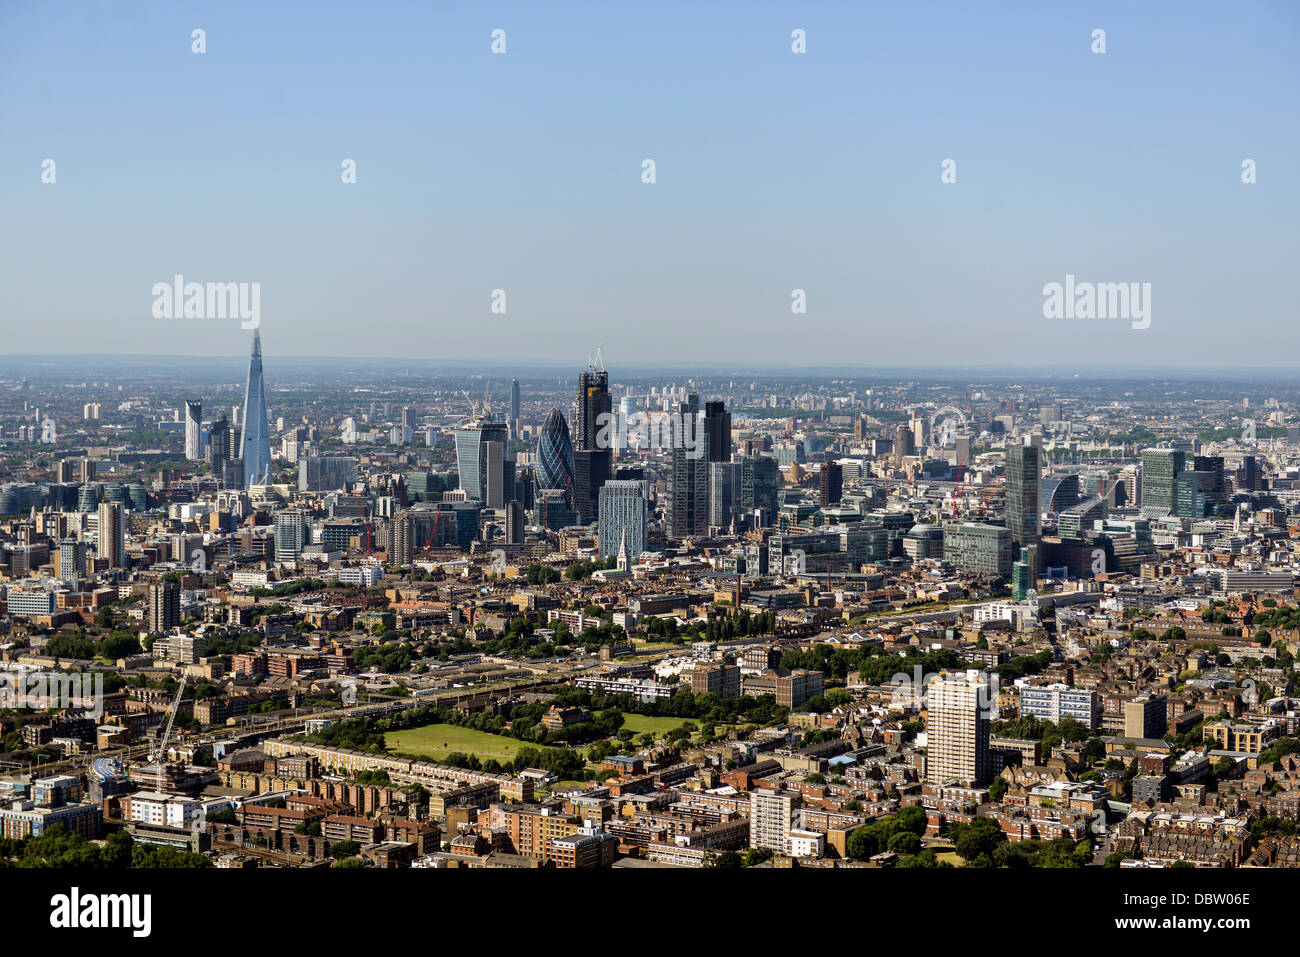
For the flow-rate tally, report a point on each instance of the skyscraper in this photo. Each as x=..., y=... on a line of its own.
x=193, y=430
x=218, y=451
x=472, y=438
x=830, y=484
x=292, y=533
x=514, y=408
x=958, y=717
x=164, y=607
x=555, y=456
x=759, y=479
x=112, y=534
x=1023, y=488
x=255, y=442
x=724, y=492
x=717, y=426
x=401, y=547
x=688, y=478
x=592, y=449
x=622, y=517
x=515, y=523
x=1160, y=471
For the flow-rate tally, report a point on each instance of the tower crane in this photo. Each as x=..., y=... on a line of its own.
x=160, y=747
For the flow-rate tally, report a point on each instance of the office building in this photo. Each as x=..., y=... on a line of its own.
x=724, y=491
x=1023, y=478
x=978, y=549
x=830, y=484
x=472, y=439
x=515, y=522
x=514, y=408
x=326, y=473
x=555, y=455
x=592, y=451
x=688, y=476
x=717, y=427
x=759, y=480
x=1160, y=470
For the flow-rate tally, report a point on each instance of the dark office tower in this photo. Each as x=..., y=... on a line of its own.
x=759, y=479
x=831, y=484
x=688, y=479
x=164, y=607
x=1212, y=484
x=1160, y=471
x=514, y=408
x=500, y=476
x=408, y=417
x=554, y=468
x=717, y=426
x=1023, y=487
x=256, y=439
x=592, y=444
x=515, y=523
x=1249, y=474
x=904, y=441
x=219, y=444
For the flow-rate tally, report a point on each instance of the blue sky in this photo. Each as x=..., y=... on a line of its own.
x=775, y=171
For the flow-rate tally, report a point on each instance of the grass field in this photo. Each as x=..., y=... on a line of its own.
x=436, y=741
x=639, y=723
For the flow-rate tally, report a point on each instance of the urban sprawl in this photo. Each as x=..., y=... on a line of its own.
x=578, y=620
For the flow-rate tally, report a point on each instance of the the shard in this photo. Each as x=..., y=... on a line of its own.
x=255, y=448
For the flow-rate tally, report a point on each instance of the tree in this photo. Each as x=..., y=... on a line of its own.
x=343, y=849
x=120, y=644
x=976, y=841
x=905, y=842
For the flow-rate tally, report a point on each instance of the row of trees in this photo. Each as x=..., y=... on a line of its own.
x=59, y=848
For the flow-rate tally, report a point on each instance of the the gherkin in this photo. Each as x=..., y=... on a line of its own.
x=555, y=455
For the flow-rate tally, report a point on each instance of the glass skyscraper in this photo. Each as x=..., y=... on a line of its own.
x=472, y=438
x=255, y=442
x=1160, y=471
x=1023, y=487
x=555, y=455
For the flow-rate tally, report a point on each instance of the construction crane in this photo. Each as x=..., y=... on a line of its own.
x=160, y=747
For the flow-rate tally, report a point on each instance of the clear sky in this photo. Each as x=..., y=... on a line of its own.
x=775, y=171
